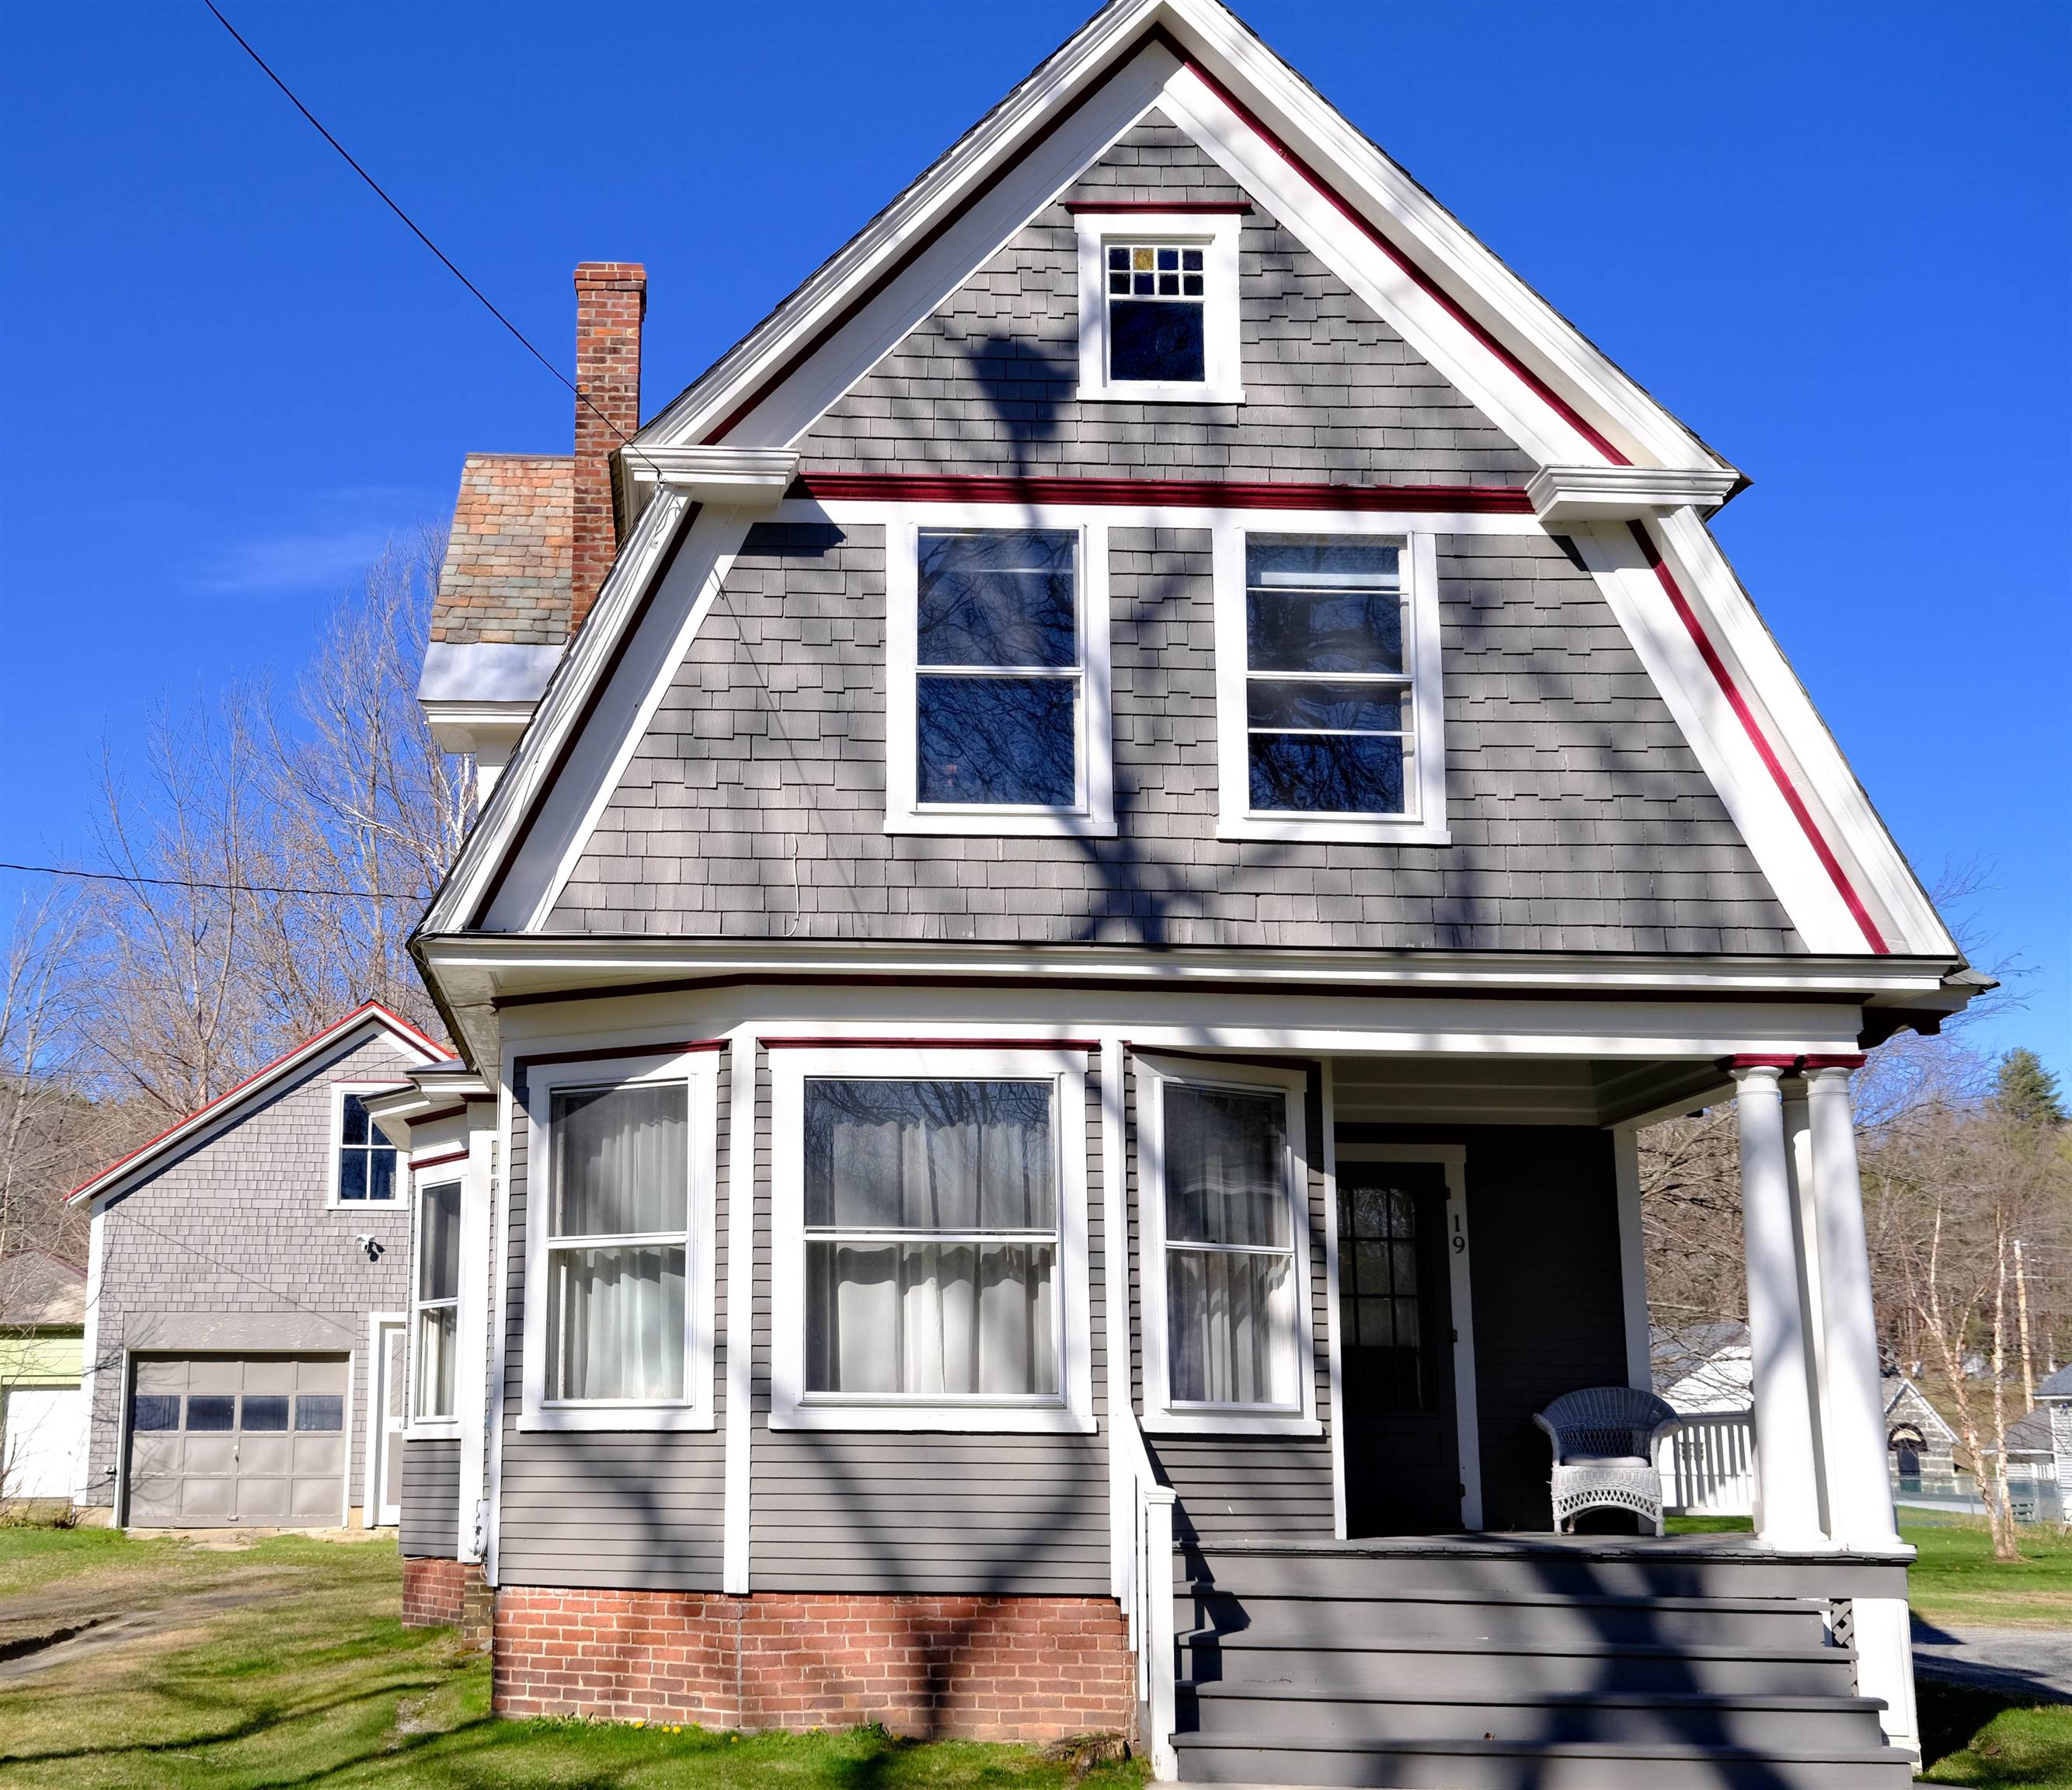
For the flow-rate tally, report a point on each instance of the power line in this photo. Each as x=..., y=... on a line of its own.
x=218, y=888
x=411, y=223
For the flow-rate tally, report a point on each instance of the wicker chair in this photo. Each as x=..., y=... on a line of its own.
x=1604, y=1444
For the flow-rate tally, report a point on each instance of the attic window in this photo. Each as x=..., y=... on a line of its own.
x=1158, y=307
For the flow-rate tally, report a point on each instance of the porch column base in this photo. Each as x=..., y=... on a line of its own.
x=1884, y=1666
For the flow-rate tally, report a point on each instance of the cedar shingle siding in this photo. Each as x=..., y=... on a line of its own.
x=985, y=385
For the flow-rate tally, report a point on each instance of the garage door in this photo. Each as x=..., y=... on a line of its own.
x=257, y=1440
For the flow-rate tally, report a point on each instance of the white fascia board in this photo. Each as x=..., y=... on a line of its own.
x=1883, y=878
x=1566, y=494
x=1437, y=241
x=1718, y=740
x=543, y=961
x=750, y=478
x=966, y=167
x=486, y=671
x=524, y=783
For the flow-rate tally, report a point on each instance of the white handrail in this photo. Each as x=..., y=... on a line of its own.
x=1147, y=1603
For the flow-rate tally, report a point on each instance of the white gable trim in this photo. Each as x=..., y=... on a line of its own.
x=207, y=1123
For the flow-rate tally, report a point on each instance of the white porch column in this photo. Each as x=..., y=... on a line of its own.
x=1787, y=1495
x=1798, y=1174
x=1859, y=1486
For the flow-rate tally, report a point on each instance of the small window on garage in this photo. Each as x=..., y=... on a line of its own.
x=363, y=1162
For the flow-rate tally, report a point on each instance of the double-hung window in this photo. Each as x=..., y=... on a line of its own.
x=1328, y=685
x=1226, y=1263
x=436, y=1303
x=1158, y=306
x=998, y=680
x=930, y=1222
x=362, y=1160
x=619, y=1213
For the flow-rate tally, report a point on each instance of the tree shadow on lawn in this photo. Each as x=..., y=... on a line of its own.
x=1954, y=1724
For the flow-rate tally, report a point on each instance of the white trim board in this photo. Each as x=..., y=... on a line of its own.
x=1453, y=1160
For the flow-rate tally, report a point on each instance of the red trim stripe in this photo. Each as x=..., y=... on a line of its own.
x=1157, y=493
x=439, y=1162
x=1200, y=207
x=1853, y=1060
x=931, y=1043
x=1739, y=704
x=1159, y=35
x=1758, y=1062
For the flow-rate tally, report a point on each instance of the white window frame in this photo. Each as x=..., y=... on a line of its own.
x=1424, y=820
x=791, y=1407
x=400, y=1194
x=446, y=1175
x=1217, y=234
x=1162, y=1414
x=699, y=1072
x=1092, y=813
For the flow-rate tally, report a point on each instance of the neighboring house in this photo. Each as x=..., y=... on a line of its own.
x=246, y=1286
x=1115, y=821
x=1705, y=1368
x=1919, y=1438
x=43, y=1405
x=2053, y=1396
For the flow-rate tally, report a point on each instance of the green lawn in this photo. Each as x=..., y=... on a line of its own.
x=1957, y=1580
x=1978, y=1738
x=315, y=1681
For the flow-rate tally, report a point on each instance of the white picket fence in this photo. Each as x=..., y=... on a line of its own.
x=1707, y=1465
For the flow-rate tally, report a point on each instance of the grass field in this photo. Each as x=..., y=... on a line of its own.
x=284, y=1663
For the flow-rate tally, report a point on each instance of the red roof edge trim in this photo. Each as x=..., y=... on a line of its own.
x=1763, y=750
x=366, y=1010
x=1157, y=493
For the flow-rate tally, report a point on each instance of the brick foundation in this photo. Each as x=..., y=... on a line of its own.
x=1026, y=1668
x=446, y=1593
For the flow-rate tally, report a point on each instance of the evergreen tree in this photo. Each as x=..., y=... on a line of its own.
x=2027, y=1091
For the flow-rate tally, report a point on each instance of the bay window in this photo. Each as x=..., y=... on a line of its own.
x=618, y=1275
x=1225, y=1274
x=931, y=1217
x=436, y=1302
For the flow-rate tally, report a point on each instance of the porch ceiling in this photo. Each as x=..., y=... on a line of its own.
x=1444, y=1089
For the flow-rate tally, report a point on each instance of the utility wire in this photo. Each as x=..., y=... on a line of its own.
x=582, y=397
x=218, y=888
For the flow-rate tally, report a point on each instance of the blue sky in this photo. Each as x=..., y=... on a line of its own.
x=1836, y=239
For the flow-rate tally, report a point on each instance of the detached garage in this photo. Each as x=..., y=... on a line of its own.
x=260, y=1440
x=248, y=1274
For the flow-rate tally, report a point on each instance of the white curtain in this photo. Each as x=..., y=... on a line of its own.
x=622, y=1159
x=1230, y=1306
x=615, y=1323
x=436, y=1328
x=931, y=1319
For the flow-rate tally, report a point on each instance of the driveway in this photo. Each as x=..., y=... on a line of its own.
x=2035, y=1662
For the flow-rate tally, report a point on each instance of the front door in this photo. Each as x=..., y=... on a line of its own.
x=1402, y=1450
x=388, y=1410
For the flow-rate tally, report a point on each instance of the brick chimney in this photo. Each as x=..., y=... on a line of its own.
x=611, y=298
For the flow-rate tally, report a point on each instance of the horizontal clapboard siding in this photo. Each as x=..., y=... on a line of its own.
x=1231, y=1486
x=636, y=1511
x=430, y=1525
x=837, y=1511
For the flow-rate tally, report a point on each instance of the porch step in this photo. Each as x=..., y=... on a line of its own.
x=1464, y=1665
x=1334, y=1618
x=1364, y=1719
x=1299, y=1759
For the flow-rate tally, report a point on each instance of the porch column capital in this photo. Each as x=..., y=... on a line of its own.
x=1788, y=1508
x=1859, y=1484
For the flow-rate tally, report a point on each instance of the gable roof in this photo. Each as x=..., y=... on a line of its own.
x=506, y=578
x=1897, y=1386
x=40, y=1288
x=369, y=1017
x=1846, y=888
x=2056, y=1385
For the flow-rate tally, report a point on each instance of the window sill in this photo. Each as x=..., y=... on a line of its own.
x=615, y=1417
x=1334, y=830
x=433, y=1428
x=392, y=1205
x=980, y=822
x=1146, y=392
x=1230, y=1423
x=970, y=1419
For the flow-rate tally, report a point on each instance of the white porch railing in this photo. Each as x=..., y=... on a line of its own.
x=1147, y=1599
x=1707, y=1465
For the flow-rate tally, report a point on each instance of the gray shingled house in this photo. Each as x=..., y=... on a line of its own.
x=1095, y=846
x=246, y=1289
